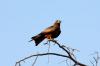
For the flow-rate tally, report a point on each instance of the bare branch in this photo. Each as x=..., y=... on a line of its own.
x=43, y=54
x=92, y=63
x=69, y=53
x=96, y=59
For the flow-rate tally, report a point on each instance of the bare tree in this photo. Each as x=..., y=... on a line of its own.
x=69, y=55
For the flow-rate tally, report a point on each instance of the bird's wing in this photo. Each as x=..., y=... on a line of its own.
x=49, y=29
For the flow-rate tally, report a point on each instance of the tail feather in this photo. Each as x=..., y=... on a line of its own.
x=38, y=38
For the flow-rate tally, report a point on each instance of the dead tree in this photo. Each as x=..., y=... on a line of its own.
x=69, y=55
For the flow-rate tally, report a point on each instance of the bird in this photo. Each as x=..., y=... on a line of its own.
x=49, y=33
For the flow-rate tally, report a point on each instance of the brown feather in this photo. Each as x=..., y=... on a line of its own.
x=38, y=38
x=49, y=33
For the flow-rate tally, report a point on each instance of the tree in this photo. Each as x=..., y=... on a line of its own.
x=69, y=55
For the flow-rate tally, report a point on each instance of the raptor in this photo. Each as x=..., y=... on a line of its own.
x=49, y=33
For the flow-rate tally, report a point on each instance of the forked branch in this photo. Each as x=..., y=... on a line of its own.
x=68, y=55
x=42, y=54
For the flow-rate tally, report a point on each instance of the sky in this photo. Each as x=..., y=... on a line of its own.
x=22, y=19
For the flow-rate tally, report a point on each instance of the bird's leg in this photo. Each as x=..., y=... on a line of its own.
x=49, y=39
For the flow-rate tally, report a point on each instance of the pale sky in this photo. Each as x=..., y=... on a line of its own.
x=22, y=19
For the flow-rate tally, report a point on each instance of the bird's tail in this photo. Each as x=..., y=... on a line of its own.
x=38, y=38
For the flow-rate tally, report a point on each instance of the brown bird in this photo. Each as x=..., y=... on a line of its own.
x=50, y=33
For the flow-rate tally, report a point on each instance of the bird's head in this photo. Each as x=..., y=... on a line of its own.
x=57, y=22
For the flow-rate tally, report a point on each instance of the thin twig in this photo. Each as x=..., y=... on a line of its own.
x=48, y=50
x=95, y=59
x=67, y=63
x=35, y=61
x=70, y=56
x=92, y=63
